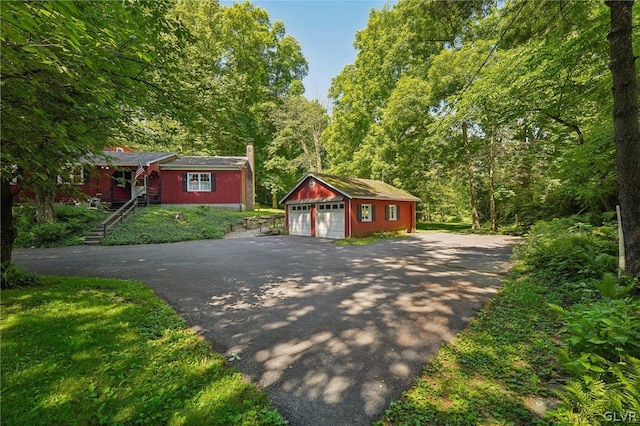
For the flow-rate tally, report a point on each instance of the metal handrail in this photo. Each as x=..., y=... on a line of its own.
x=118, y=216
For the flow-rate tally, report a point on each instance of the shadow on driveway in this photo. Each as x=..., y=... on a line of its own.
x=333, y=334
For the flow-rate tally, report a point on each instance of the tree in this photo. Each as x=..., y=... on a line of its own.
x=627, y=132
x=74, y=73
x=297, y=146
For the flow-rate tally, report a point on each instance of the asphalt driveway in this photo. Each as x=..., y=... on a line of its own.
x=333, y=334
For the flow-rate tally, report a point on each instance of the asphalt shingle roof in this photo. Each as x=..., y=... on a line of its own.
x=359, y=188
x=206, y=162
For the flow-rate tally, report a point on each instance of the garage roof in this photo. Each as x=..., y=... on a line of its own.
x=358, y=188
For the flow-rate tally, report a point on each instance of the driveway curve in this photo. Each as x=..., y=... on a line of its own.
x=333, y=334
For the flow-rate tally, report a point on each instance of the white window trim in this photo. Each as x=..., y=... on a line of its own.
x=75, y=177
x=369, y=208
x=202, y=185
x=393, y=212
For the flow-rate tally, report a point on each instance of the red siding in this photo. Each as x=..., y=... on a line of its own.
x=318, y=191
x=405, y=222
x=228, y=188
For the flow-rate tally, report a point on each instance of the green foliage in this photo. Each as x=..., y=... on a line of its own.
x=72, y=223
x=296, y=148
x=15, y=277
x=599, y=333
x=80, y=351
x=378, y=236
x=152, y=225
x=538, y=114
x=49, y=233
x=570, y=254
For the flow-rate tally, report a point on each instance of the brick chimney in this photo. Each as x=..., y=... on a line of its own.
x=251, y=180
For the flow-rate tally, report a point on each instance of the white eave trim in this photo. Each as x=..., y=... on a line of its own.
x=315, y=200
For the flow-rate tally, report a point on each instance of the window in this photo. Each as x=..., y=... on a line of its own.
x=366, y=213
x=76, y=176
x=392, y=212
x=199, y=182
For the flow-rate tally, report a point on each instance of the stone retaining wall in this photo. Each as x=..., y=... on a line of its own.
x=263, y=223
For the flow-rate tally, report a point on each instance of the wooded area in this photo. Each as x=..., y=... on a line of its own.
x=501, y=112
x=497, y=111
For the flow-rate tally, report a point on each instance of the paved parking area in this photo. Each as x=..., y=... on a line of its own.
x=333, y=334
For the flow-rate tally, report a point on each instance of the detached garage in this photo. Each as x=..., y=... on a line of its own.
x=337, y=207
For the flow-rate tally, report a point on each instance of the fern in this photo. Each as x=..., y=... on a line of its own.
x=612, y=287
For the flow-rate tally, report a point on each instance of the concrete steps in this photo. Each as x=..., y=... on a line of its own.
x=94, y=237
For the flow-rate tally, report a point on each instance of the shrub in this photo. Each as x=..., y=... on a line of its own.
x=569, y=254
x=49, y=233
x=604, y=331
x=14, y=277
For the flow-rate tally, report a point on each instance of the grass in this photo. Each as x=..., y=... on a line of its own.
x=83, y=351
x=443, y=226
x=365, y=241
x=148, y=225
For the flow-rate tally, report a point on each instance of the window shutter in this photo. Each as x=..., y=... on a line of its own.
x=86, y=173
x=359, y=212
x=184, y=182
x=387, y=211
x=213, y=182
x=398, y=211
x=373, y=213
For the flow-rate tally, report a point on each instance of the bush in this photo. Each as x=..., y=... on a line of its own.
x=72, y=222
x=570, y=254
x=14, y=277
x=600, y=333
x=49, y=233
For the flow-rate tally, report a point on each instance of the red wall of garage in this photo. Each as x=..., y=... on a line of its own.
x=405, y=222
x=318, y=191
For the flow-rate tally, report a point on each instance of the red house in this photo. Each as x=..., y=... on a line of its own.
x=120, y=175
x=337, y=207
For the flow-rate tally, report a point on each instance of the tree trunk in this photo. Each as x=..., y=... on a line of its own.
x=44, y=206
x=307, y=156
x=274, y=200
x=475, y=219
x=7, y=229
x=626, y=128
x=492, y=193
x=318, y=147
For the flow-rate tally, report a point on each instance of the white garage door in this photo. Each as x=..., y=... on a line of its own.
x=300, y=220
x=330, y=220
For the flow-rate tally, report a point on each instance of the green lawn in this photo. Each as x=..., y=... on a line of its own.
x=443, y=226
x=81, y=351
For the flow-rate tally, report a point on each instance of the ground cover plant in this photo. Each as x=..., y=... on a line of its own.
x=72, y=223
x=80, y=351
x=557, y=345
x=365, y=241
x=153, y=224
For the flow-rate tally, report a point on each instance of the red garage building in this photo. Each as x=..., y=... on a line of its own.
x=337, y=207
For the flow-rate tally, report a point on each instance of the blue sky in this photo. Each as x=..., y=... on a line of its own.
x=325, y=30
